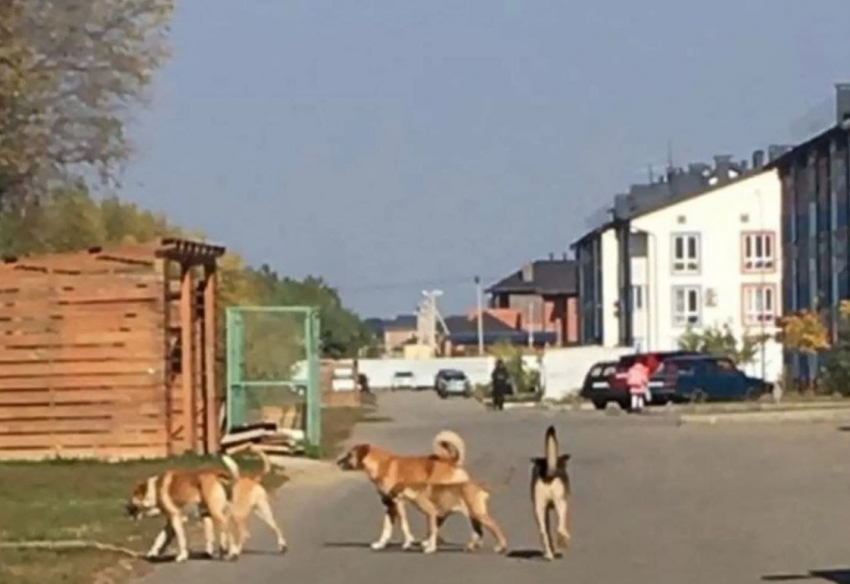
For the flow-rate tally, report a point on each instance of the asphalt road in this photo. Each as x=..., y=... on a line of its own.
x=654, y=503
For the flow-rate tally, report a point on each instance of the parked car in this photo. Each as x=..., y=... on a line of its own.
x=619, y=390
x=452, y=382
x=596, y=387
x=402, y=380
x=705, y=378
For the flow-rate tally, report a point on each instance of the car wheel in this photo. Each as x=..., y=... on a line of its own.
x=753, y=394
x=599, y=404
x=443, y=395
x=698, y=397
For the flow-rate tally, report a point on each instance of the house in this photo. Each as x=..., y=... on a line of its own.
x=396, y=333
x=815, y=218
x=697, y=248
x=460, y=336
x=540, y=298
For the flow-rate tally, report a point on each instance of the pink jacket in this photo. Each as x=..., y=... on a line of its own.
x=637, y=378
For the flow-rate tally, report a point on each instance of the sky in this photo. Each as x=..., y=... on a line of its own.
x=392, y=147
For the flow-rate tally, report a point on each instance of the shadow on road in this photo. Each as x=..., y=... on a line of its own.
x=393, y=547
x=839, y=576
x=525, y=554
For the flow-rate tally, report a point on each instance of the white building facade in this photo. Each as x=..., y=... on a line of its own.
x=709, y=257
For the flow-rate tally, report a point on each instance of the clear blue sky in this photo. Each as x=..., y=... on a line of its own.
x=391, y=146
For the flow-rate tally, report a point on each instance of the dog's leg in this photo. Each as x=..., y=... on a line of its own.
x=440, y=521
x=180, y=533
x=209, y=536
x=432, y=513
x=390, y=513
x=541, y=514
x=264, y=512
x=563, y=510
x=409, y=540
x=162, y=541
x=476, y=540
x=490, y=523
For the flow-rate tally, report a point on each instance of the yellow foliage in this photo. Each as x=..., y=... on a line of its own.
x=804, y=331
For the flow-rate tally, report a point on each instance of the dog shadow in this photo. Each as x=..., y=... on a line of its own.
x=393, y=547
x=169, y=558
x=526, y=554
x=837, y=576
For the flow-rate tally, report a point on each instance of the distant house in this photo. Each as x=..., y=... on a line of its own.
x=396, y=333
x=540, y=299
x=815, y=243
x=698, y=248
x=460, y=336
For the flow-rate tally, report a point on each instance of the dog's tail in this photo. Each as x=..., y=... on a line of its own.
x=449, y=445
x=267, y=465
x=231, y=466
x=551, y=449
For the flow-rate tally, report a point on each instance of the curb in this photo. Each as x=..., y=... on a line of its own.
x=808, y=415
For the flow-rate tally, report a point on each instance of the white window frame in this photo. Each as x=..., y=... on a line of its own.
x=754, y=259
x=688, y=263
x=689, y=299
x=758, y=304
x=638, y=297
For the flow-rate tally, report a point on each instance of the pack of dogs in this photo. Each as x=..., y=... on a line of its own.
x=438, y=484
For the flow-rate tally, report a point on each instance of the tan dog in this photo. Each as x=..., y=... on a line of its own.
x=550, y=489
x=250, y=495
x=389, y=471
x=181, y=495
x=437, y=502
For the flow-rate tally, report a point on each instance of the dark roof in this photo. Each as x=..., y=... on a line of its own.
x=400, y=322
x=547, y=277
x=824, y=137
x=463, y=324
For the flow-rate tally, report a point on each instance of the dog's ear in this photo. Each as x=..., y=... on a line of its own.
x=562, y=459
x=361, y=451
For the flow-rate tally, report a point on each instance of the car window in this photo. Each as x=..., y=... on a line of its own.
x=404, y=374
x=595, y=371
x=609, y=369
x=455, y=375
x=726, y=365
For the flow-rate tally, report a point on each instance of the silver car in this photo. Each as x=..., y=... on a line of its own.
x=452, y=382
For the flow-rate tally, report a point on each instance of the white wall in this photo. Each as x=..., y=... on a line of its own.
x=563, y=369
x=477, y=369
x=717, y=217
x=610, y=261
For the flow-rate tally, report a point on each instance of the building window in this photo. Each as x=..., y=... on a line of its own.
x=759, y=304
x=759, y=251
x=638, y=297
x=686, y=305
x=686, y=253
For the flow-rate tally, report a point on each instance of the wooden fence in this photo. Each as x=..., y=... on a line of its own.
x=100, y=357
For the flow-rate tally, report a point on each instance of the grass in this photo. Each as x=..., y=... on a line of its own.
x=84, y=500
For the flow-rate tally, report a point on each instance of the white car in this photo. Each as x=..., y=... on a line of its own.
x=402, y=380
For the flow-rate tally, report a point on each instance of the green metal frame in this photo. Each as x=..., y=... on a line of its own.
x=238, y=386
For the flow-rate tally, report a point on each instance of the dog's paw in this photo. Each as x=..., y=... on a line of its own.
x=283, y=547
x=500, y=548
x=549, y=556
x=429, y=548
x=409, y=544
x=378, y=545
x=152, y=555
x=182, y=557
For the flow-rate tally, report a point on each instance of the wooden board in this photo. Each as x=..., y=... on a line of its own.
x=127, y=452
x=93, y=440
x=99, y=396
x=123, y=411
x=80, y=382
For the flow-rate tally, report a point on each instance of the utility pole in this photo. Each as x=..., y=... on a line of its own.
x=479, y=303
x=429, y=317
x=530, y=328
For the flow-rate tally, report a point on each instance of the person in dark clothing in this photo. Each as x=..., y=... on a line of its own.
x=500, y=381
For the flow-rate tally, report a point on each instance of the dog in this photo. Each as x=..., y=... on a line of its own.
x=389, y=471
x=550, y=489
x=182, y=495
x=437, y=502
x=249, y=495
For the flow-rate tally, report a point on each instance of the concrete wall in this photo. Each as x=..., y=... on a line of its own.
x=478, y=369
x=563, y=370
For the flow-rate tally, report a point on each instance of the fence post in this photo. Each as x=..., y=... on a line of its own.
x=235, y=390
x=314, y=394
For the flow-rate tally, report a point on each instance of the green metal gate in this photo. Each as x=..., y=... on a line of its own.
x=273, y=360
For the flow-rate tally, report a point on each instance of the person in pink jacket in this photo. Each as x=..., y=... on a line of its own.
x=637, y=378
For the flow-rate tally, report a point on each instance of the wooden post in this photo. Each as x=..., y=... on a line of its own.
x=187, y=358
x=210, y=339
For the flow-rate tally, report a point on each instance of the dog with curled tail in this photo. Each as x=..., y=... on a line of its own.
x=550, y=491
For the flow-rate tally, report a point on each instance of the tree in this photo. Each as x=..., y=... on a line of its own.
x=70, y=71
x=804, y=331
x=722, y=342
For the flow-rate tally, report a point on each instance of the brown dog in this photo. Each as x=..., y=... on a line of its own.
x=437, y=502
x=250, y=495
x=389, y=472
x=180, y=495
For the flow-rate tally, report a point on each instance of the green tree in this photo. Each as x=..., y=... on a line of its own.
x=70, y=73
x=722, y=342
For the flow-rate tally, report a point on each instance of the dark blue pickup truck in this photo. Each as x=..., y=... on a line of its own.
x=704, y=378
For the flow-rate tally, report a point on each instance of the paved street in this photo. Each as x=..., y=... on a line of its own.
x=654, y=503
